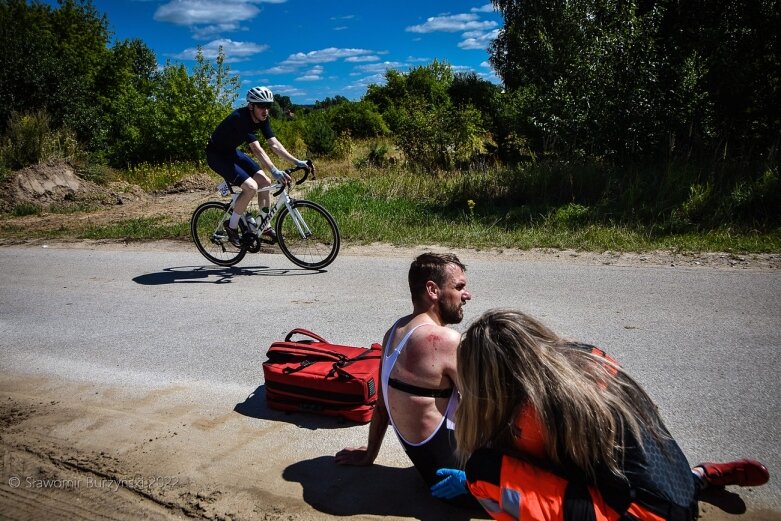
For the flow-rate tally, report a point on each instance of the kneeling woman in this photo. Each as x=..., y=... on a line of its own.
x=552, y=430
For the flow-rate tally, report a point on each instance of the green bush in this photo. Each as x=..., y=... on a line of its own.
x=360, y=120
x=23, y=143
x=22, y=209
x=440, y=138
x=319, y=137
x=376, y=156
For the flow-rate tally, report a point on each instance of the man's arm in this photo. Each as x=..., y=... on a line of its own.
x=281, y=151
x=262, y=156
x=377, y=428
x=265, y=160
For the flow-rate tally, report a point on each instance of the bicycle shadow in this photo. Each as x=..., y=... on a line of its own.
x=376, y=490
x=215, y=274
x=254, y=406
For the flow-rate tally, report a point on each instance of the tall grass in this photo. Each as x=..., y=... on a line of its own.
x=29, y=139
x=154, y=178
x=552, y=206
x=374, y=197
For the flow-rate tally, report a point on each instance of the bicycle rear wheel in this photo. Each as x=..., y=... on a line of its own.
x=308, y=235
x=210, y=237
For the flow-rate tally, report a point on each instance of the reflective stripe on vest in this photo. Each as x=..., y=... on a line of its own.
x=526, y=492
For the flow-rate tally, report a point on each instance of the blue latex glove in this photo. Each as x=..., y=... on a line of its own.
x=453, y=484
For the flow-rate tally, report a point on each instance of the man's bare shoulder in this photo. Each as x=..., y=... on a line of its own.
x=434, y=336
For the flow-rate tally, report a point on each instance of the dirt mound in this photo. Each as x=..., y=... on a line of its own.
x=46, y=184
x=194, y=183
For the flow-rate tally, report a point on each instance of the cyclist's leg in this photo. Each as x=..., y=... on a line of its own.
x=264, y=198
x=243, y=169
x=225, y=165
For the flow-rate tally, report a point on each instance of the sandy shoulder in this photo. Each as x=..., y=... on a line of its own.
x=79, y=450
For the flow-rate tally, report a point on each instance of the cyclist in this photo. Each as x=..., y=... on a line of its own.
x=236, y=167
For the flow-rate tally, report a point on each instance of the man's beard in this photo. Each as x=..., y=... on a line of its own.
x=451, y=314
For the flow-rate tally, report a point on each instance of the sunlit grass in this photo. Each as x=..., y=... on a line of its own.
x=138, y=229
x=374, y=198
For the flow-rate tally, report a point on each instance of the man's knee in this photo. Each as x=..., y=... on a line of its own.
x=250, y=185
x=261, y=178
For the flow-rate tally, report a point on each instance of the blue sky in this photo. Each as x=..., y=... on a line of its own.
x=312, y=49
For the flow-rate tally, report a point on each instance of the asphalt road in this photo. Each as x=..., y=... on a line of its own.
x=704, y=342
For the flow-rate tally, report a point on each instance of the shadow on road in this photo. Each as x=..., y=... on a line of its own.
x=215, y=274
x=255, y=407
x=725, y=500
x=375, y=490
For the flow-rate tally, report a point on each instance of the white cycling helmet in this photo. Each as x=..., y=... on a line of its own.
x=260, y=95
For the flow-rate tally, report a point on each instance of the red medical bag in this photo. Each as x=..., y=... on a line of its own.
x=314, y=375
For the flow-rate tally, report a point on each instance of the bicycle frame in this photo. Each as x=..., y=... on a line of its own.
x=280, y=192
x=283, y=200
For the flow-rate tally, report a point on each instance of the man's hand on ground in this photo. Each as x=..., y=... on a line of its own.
x=354, y=456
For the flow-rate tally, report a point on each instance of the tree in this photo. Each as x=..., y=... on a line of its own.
x=358, y=119
x=50, y=60
x=638, y=79
x=187, y=107
x=331, y=102
x=425, y=123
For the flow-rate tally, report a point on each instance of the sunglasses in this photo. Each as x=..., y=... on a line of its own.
x=263, y=105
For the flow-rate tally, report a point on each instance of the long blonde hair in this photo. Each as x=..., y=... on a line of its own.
x=508, y=359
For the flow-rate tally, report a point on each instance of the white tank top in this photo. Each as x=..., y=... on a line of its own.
x=387, y=366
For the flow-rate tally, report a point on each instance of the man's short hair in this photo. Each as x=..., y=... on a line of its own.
x=430, y=267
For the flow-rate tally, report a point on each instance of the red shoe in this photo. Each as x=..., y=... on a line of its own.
x=744, y=473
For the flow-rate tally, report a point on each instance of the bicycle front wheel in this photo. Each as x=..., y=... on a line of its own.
x=308, y=235
x=210, y=237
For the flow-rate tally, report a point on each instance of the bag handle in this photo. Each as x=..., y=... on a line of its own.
x=339, y=367
x=319, y=351
x=305, y=332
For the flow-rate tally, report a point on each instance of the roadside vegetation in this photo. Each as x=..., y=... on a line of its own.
x=571, y=152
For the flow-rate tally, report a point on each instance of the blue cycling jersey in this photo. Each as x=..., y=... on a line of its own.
x=238, y=128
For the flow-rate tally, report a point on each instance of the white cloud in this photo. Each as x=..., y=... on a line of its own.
x=452, y=23
x=210, y=31
x=461, y=68
x=200, y=12
x=313, y=74
x=362, y=59
x=361, y=84
x=379, y=68
x=328, y=55
x=280, y=69
x=234, y=51
x=487, y=8
x=286, y=90
x=478, y=40
x=209, y=18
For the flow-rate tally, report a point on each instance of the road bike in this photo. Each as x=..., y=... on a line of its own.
x=306, y=233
